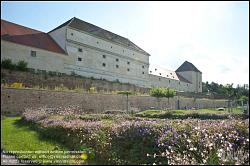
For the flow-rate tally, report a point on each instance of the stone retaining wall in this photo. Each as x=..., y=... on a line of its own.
x=14, y=101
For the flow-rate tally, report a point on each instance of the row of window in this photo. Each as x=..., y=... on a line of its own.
x=117, y=66
x=33, y=54
x=169, y=81
x=117, y=60
x=80, y=49
x=160, y=74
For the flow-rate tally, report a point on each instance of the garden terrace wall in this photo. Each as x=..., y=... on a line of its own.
x=42, y=79
x=14, y=101
x=31, y=79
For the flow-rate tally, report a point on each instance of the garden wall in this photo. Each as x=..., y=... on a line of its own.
x=43, y=79
x=14, y=101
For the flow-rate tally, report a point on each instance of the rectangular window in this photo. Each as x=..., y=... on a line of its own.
x=33, y=53
x=143, y=67
x=128, y=69
x=79, y=59
x=143, y=72
x=80, y=49
x=104, y=56
x=128, y=63
x=117, y=60
x=103, y=64
x=117, y=66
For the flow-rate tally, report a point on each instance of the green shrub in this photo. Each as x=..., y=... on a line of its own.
x=3, y=81
x=92, y=89
x=22, y=66
x=162, y=92
x=7, y=64
x=51, y=73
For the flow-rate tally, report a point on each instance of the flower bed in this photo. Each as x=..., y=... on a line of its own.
x=122, y=139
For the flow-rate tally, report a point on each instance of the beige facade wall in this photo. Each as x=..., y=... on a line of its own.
x=91, y=65
x=157, y=81
x=44, y=60
x=99, y=60
x=195, y=78
x=59, y=36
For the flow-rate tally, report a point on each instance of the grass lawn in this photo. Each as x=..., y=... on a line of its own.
x=213, y=111
x=202, y=113
x=18, y=136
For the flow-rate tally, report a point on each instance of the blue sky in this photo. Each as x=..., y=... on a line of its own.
x=214, y=36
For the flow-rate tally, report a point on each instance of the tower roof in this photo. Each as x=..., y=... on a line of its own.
x=187, y=66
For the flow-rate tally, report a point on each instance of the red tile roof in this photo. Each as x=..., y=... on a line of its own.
x=29, y=37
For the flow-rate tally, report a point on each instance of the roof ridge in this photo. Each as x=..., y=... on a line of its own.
x=106, y=34
x=63, y=24
x=187, y=66
x=102, y=28
x=22, y=26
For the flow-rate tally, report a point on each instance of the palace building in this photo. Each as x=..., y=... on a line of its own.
x=78, y=47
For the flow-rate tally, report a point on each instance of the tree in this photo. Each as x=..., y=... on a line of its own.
x=22, y=66
x=230, y=93
x=244, y=98
x=162, y=92
x=125, y=93
x=7, y=64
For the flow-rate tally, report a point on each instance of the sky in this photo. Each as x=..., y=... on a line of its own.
x=214, y=35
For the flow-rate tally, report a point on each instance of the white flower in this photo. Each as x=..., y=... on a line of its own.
x=220, y=150
x=188, y=140
x=219, y=154
x=211, y=144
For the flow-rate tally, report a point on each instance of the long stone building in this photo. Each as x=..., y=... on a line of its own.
x=82, y=48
